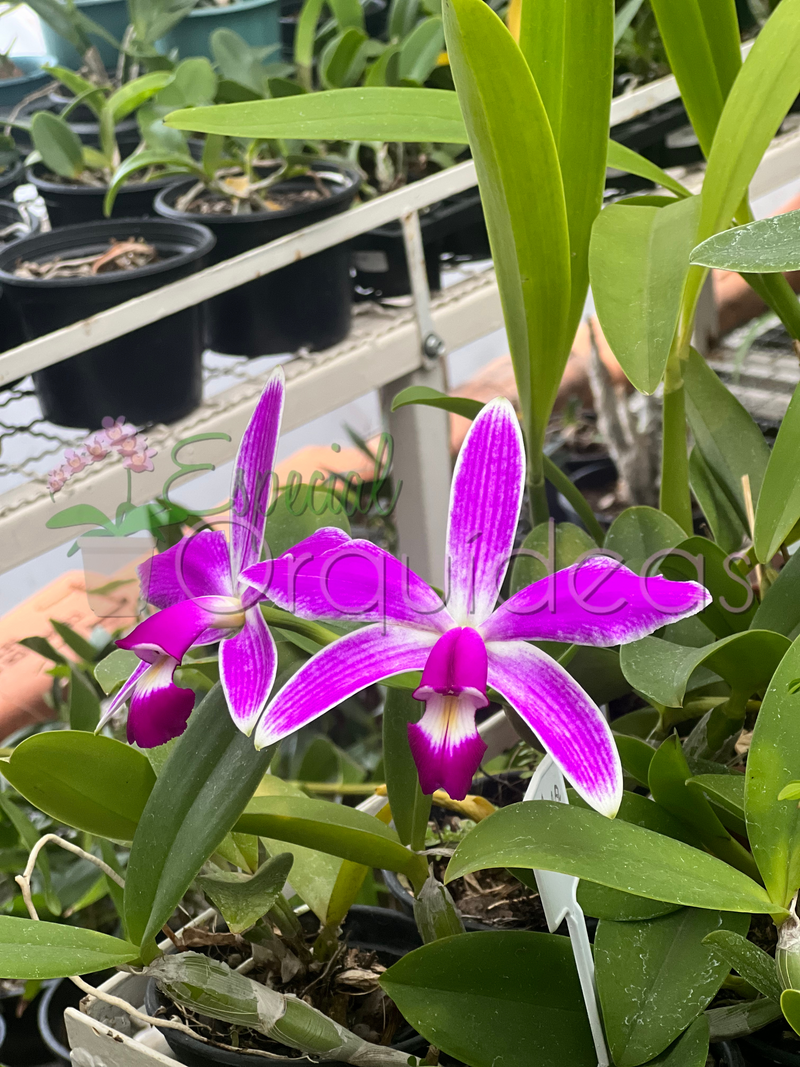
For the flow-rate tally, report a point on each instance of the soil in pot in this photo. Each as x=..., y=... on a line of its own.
x=304, y=305
x=69, y=204
x=345, y=987
x=152, y=374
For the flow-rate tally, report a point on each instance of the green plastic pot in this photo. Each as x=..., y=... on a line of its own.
x=112, y=15
x=257, y=21
x=12, y=90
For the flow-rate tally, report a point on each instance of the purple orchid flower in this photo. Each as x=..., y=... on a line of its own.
x=197, y=584
x=466, y=645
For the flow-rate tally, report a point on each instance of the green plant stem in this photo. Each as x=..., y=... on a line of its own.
x=572, y=493
x=130, y=485
x=675, y=499
x=537, y=493
x=277, y=617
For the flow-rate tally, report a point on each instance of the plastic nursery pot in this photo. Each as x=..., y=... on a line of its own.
x=22, y=1044
x=112, y=15
x=774, y=1046
x=152, y=374
x=728, y=1054
x=387, y=933
x=11, y=333
x=31, y=77
x=68, y=205
x=10, y=178
x=257, y=21
x=304, y=305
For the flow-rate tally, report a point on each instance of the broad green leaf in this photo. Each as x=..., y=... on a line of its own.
x=790, y=792
x=300, y=511
x=730, y=442
x=754, y=964
x=661, y=669
x=620, y=157
x=58, y=145
x=699, y=560
x=641, y=535
x=722, y=517
x=29, y=837
x=597, y=671
x=371, y=113
x=78, y=514
x=331, y=828
x=726, y=791
x=603, y=903
x=343, y=59
x=779, y=505
x=39, y=950
x=635, y=755
x=409, y=806
x=244, y=899
x=93, y=783
x=561, y=837
x=761, y=247
x=403, y=15
x=323, y=761
x=84, y=705
x=483, y=997
x=668, y=976
x=44, y=648
x=193, y=83
x=114, y=668
x=348, y=13
x=523, y=200
x=790, y=1006
x=773, y=826
x=134, y=93
x=236, y=61
x=569, y=47
x=780, y=608
x=548, y=548
x=201, y=791
x=420, y=50
x=689, y=1050
x=423, y=394
x=638, y=260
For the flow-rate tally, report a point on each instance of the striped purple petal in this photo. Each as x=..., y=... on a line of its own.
x=174, y=630
x=340, y=670
x=159, y=709
x=597, y=602
x=566, y=720
x=485, y=499
x=197, y=566
x=356, y=581
x=247, y=665
x=252, y=476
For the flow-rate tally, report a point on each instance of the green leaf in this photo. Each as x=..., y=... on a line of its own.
x=638, y=260
x=78, y=514
x=662, y=670
x=201, y=791
x=44, y=648
x=780, y=608
x=421, y=49
x=193, y=82
x=63, y=21
x=730, y=442
x=719, y=512
x=236, y=62
x=690, y=1049
x=371, y=113
x=561, y=837
x=523, y=200
x=625, y=159
x=483, y=997
x=114, y=668
x=779, y=505
x=790, y=792
x=640, y=535
x=762, y=247
x=635, y=755
x=754, y=964
x=603, y=903
x=324, y=761
x=84, y=705
x=91, y=782
x=409, y=806
x=741, y=1019
x=38, y=950
x=29, y=836
x=569, y=47
x=348, y=13
x=170, y=162
x=570, y=492
x=423, y=394
x=773, y=826
x=59, y=146
x=90, y=95
x=304, y=38
x=668, y=976
x=403, y=15
x=790, y=1006
x=725, y=790
x=135, y=93
x=79, y=645
x=699, y=560
x=300, y=511
x=152, y=19
x=624, y=17
x=243, y=899
x=331, y=828
x=343, y=59
x=549, y=547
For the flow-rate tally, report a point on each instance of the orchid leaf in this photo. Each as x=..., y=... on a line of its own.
x=635, y=755
x=689, y=1050
x=754, y=964
x=403, y=15
x=29, y=837
x=699, y=560
x=300, y=511
x=423, y=394
x=779, y=505
x=58, y=145
x=559, y=837
x=345, y=890
x=115, y=668
x=667, y=972
x=90, y=95
x=173, y=162
x=742, y=1018
x=84, y=705
x=790, y=1006
x=202, y=789
x=78, y=515
x=780, y=608
x=482, y=997
x=620, y=157
x=409, y=806
x=40, y=950
x=44, y=648
x=717, y=507
x=603, y=903
x=640, y=535
x=134, y=93
x=762, y=247
x=244, y=899
x=371, y=113
x=305, y=35
x=79, y=645
x=420, y=50
x=638, y=260
x=548, y=548
x=560, y=481
x=88, y=781
x=343, y=59
x=523, y=199
x=726, y=792
x=152, y=19
x=773, y=825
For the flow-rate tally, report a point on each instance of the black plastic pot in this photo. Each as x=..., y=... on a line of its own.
x=55, y=999
x=11, y=333
x=304, y=305
x=11, y=178
x=22, y=1045
x=152, y=374
x=767, y=1048
x=729, y=1054
x=68, y=205
x=387, y=933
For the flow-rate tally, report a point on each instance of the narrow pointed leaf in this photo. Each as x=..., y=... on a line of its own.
x=244, y=899
x=699, y=560
x=409, y=806
x=780, y=608
x=620, y=157
x=727, y=527
x=423, y=394
x=779, y=505
x=41, y=950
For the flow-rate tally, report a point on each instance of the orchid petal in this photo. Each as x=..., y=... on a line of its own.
x=252, y=477
x=565, y=718
x=258, y=576
x=122, y=695
x=196, y=566
x=247, y=665
x=338, y=671
x=485, y=499
x=597, y=602
x=446, y=745
x=159, y=709
x=357, y=581
x=457, y=663
x=174, y=630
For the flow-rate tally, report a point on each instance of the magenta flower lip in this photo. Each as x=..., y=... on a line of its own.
x=461, y=642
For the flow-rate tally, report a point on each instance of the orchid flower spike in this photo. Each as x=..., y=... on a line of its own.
x=197, y=584
x=467, y=645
